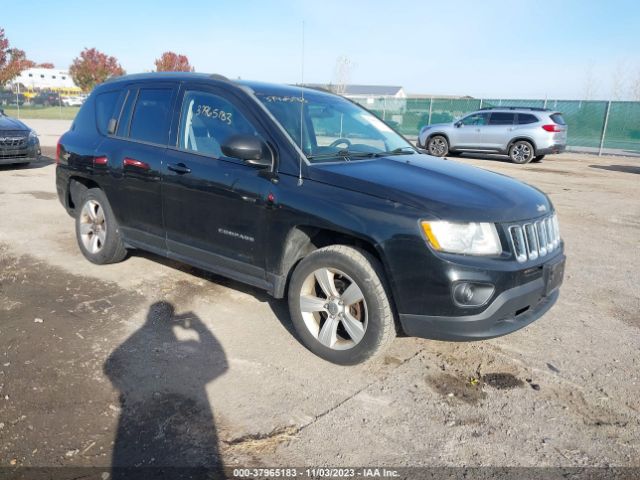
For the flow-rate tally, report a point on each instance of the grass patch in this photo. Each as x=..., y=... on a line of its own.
x=55, y=113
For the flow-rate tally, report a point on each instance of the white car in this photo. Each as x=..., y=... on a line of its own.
x=72, y=101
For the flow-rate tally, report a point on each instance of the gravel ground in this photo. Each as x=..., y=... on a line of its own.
x=149, y=362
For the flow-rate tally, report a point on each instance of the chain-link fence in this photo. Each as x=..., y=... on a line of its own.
x=594, y=126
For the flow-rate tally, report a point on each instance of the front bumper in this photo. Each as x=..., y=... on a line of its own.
x=20, y=155
x=511, y=310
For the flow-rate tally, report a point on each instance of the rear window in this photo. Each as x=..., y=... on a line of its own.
x=105, y=109
x=558, y=118
x=150, y=121
x=526, y=118
x=500, y=118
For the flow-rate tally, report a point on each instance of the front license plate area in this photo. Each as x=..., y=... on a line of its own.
x=553, y=275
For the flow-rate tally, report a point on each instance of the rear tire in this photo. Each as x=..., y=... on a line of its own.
x=438, y=146
x=97, y=230
x=521, y=152
x=347, y=317
x=537, y=159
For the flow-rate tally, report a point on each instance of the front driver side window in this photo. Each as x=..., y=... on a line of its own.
x=475, y=119
x=207, y=121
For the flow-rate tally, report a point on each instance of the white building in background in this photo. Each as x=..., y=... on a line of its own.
x=45, y=78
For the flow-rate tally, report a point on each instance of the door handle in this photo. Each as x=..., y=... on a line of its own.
x=179, y=168
x=132, y=162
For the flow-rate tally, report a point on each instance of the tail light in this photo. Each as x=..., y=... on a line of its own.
x=58, y=151
x=552, y=128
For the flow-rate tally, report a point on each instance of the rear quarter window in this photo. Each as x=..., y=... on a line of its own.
x=558, y=118
x=105, y=109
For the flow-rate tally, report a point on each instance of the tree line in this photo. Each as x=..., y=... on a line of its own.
x=88, y=69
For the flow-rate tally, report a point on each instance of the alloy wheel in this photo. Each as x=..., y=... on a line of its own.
x=93, y=228
x=521, y=153
x=437, y=147
x=333, y=308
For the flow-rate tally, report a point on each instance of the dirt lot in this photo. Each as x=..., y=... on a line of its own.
x=149, y=362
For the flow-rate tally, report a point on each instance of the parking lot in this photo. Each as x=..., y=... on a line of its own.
x=150, y=362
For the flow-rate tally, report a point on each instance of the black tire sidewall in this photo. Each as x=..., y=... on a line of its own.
x=533, y=153
x=112, y=241
x=375, y=309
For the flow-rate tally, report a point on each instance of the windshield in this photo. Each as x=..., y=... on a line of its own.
x=330, y=128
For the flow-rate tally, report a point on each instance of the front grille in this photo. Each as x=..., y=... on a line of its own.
x=535, y=239
x=13, y=154
x=12, y=142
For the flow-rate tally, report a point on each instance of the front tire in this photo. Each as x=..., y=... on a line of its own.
x=521, y=152
x=97, y=230
x=340, y=306
x=438, y=146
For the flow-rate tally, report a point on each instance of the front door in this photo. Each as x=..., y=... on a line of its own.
x=468, y=130
x=214, y=206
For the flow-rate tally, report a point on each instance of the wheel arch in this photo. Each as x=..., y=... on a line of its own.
x=76, y=188
x=526, y=139
x=442, y=134
x=304, y=239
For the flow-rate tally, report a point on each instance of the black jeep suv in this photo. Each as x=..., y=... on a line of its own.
x=308, y=195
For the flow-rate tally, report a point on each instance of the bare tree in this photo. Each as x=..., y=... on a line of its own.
x=342, y=74
x=618, y=80
x=590, y=88
x=634, y=86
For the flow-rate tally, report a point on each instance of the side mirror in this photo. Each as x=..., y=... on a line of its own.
x=458, y=124
x=248, y=148
x=1, y=112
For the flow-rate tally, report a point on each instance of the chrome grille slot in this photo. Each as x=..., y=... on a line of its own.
x=12, y=141
x=532, y=240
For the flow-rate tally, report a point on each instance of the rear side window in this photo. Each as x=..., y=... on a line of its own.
x=558, y=118
x=150, y=121
x=526, y=118
x=501, y=118
x=105, y=109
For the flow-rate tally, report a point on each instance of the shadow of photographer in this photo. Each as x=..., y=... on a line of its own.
x=161, y=372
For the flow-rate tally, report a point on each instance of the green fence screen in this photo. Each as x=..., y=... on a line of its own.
x=586, y=119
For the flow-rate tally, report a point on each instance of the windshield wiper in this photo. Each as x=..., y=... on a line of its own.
x=346, y=154
x=397, y=151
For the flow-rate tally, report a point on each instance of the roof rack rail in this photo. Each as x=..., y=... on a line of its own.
x=217, y=76
x=506, y=107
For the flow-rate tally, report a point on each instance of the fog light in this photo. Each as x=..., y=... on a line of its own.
x=470, y=294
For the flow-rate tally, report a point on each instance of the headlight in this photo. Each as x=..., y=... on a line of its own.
x=33, y=135
x=464, y=238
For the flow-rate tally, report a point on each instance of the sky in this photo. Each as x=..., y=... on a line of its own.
x=565, y=49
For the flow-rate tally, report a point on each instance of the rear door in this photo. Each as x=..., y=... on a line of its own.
x=215, y=206
x=135, y=148
x=499, y=131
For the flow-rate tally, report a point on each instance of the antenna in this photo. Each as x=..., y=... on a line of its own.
x=301, y=108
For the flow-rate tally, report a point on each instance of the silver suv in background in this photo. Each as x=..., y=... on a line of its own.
x=524, y=134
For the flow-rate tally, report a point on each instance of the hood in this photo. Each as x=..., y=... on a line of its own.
x=443, y=188
x=8, y=123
